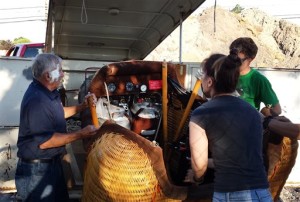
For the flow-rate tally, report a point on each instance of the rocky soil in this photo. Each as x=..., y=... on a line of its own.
x=290, y=194
x=278, y=40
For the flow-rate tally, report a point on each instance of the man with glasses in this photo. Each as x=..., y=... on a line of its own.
x=42, y=134
x=254, y=87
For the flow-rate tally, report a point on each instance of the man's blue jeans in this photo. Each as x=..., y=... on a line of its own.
x=43, y=182
x=257, y=195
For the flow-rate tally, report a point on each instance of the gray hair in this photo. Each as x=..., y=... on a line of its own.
x=44, y=62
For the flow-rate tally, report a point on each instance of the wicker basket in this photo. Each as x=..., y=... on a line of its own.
x=122, y=166
x=178, y=99
x=119, y=169
x=175, y=113
x=282, y=158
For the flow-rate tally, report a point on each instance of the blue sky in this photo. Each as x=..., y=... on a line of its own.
x=24, y=18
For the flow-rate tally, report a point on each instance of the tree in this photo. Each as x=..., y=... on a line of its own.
x=5, y=44
x=237, y=9
x=21, y=40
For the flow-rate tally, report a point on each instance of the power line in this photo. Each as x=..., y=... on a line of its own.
x=37, y=16
x=18, y=21
x=291, y=18
x=21, y=8
x=287, y=15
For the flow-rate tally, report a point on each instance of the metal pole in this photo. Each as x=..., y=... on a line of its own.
x=165, y=101
x=180, y=38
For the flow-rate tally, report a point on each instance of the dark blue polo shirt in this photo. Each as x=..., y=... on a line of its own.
x=41, y=115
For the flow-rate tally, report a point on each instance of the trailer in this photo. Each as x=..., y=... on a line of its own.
x=91, y=35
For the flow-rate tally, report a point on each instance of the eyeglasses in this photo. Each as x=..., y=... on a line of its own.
x=200, y=74
x=244, y=59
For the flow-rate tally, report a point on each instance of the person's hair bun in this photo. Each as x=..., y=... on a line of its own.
x=234, y=51
x=233, y=56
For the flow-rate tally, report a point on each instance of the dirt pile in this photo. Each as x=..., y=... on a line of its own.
x=278, y=40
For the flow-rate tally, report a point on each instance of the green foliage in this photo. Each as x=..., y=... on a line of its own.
x=237, y=9
x=5, y=44
x=21, y=40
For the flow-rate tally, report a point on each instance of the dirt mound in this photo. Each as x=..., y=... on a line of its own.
x=278, y=40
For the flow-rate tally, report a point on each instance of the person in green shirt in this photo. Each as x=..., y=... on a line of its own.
x=254, y=87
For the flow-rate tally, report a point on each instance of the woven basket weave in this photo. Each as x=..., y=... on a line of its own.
x=175, y=113
x=282, y=159
x=178, y=99
x=121, y=169
x=118, y=169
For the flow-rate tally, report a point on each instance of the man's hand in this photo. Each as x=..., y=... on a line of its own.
x=89, y=96
x=88, y=131
x=271, y=110
x=266, y=111
x=61, y=139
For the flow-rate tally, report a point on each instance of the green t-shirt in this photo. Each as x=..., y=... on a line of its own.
x=255, y=88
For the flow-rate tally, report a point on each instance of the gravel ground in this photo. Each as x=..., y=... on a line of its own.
x=290, y=194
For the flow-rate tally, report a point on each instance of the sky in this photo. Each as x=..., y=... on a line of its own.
x=286, y=9
x=23, y=18
x=20, y=18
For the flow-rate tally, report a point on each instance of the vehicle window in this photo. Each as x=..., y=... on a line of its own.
x=15, y=51
x=33, y=51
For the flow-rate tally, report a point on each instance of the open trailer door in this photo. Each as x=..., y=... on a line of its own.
x=112, y=30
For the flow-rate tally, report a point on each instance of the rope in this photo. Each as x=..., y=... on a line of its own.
x=108, y=101
x=83, y=12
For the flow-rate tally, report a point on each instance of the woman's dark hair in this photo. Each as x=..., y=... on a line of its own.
x=209, y=62
x=224, y=70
